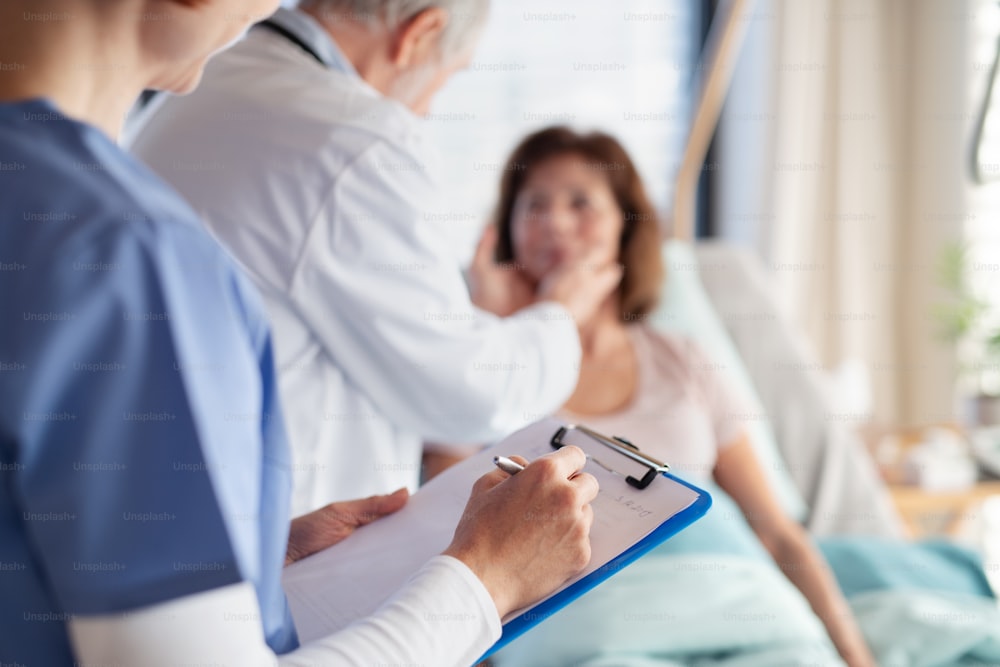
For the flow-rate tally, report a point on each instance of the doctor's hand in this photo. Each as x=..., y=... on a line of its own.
x=526, y=535
x=328, y=525
x=581, y=286
x=500, y=289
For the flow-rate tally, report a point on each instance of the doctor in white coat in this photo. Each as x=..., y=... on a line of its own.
x=303, y=150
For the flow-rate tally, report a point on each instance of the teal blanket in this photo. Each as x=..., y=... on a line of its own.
x=680, y=610
x=919, y=605
x=709, y=596
x=713, y=596
x=914, y=628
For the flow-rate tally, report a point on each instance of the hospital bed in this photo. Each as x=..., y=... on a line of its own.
x=825, y=459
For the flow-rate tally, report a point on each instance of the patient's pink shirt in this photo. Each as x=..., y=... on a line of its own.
x=683, y=412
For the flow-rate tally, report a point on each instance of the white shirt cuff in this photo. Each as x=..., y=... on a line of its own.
x=474, y=590
x=442, y=616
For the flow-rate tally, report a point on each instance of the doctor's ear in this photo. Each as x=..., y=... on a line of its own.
x=417, y=40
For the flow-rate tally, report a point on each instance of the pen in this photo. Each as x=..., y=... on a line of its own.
x=508, y=466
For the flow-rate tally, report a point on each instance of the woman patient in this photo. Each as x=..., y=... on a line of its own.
x=565, y=195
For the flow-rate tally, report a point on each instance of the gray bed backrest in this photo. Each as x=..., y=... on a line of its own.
x=826, y=459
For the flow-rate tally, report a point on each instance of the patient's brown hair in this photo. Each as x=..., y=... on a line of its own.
x=639, y=251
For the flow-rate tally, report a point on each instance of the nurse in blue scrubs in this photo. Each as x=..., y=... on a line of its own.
x=144, y=472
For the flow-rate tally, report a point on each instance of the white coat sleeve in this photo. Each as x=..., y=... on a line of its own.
x=443, y=616
x=383, y=294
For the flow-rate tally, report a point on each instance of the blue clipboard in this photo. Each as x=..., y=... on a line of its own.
x=651, y=469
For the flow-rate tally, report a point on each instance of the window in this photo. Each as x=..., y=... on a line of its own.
x=621, y=67
x=982, y=223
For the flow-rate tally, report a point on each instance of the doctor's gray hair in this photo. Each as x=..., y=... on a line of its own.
x=465, y=17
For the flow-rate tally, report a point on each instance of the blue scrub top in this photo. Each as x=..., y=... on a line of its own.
x=142, y=451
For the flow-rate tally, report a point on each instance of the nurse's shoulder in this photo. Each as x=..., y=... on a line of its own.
x=75, y=208
x=70, y=181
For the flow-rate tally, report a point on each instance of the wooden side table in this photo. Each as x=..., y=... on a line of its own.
x=929, y=513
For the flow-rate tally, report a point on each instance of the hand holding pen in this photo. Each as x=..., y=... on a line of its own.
x=526, y=529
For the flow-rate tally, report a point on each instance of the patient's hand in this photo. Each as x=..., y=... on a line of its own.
x=330, y=524
x=500, y=289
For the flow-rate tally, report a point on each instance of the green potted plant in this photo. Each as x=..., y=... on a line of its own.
x=971, y=322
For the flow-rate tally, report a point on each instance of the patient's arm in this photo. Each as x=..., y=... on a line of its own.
x=740, y=475
x=438, y=458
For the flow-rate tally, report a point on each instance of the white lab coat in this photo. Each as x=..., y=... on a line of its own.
x=324, y=191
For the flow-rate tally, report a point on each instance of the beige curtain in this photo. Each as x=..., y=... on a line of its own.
x=852, y=182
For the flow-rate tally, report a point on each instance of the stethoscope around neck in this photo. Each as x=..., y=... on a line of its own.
x=290, y=35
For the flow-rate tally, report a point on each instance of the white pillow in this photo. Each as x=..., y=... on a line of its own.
x=686, y=309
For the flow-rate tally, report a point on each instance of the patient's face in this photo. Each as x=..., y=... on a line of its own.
x=565, y=210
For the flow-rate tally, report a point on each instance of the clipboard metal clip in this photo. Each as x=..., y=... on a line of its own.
x=618, y=445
